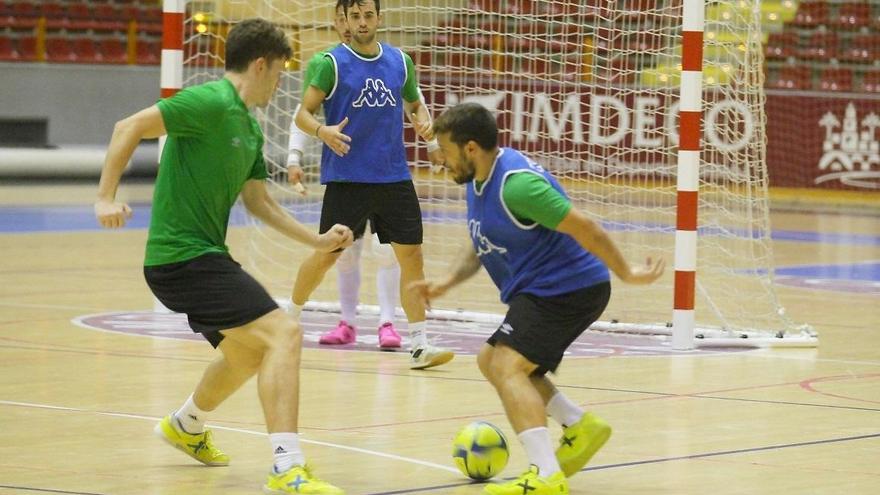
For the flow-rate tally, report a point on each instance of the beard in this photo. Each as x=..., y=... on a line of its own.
x=466, y=173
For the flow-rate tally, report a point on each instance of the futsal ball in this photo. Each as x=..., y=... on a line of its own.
x=480, y=450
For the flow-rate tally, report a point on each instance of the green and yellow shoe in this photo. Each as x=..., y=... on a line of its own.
x=580, y=442
x=200, y=446
x=299, y=479
x=531, y=483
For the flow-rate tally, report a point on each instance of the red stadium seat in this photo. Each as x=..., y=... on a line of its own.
x=835, y=79
x=7, y=49
x=59, y=50
x=811, y=14
x=149, y=52
x=113, y=51
x=792, y=77
x=27, y=48
x=853, y=16
x=822, y=45
x=782, y=45
x=871, y=82
x=863, y=49
x=85, y=52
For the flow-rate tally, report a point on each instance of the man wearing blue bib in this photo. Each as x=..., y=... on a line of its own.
x=550, y=263
x=365, y=88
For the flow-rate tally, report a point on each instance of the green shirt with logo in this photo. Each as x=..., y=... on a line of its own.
x=214, y=146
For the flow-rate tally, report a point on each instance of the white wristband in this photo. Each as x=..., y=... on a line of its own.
x=433, y=145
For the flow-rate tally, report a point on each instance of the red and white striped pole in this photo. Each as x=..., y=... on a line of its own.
x=689, y=116
x=171, y=71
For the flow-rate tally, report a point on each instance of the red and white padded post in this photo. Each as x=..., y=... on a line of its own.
x=690, y=114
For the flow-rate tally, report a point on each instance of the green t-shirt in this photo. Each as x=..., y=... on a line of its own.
x=214, y=146
x=532, y=199
x=324, y=77
x=312, y=67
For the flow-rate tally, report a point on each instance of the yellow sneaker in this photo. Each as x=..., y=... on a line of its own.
x=200, y=447
x=580, y=442
x=530, y=483
x=299, y=479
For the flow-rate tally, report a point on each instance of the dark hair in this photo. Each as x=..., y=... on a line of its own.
x=346, y=4
x=253, y=38
x=340, y=3
x=469, y=122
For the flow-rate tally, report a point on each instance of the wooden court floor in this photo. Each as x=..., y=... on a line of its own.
x=77, y=406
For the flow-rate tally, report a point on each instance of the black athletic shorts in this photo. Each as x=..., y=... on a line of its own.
x=542, y=328
x=212, y=290
x=393, y=209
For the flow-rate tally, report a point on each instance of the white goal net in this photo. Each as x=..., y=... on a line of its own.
x=589, y=89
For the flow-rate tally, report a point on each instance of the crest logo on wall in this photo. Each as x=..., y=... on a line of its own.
x=851, y=154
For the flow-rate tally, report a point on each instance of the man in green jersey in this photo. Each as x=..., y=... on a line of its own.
x=214, y=154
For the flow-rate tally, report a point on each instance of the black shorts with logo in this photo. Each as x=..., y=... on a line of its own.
x=392, y=208
x=213, y=291
x=542, y=328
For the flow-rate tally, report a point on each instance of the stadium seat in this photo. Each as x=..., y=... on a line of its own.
x=821, y=45
x=792, y=77
x=59, y=50
x=85, y=52
x=149, y=52
x=27, y=48
x=835, y=79
x=782, y=45
x=871, y=82
x=113, y=51
x=853, y=16
x=7, y=49
x=108, y=18
x=811, y=14
x=22, y=16
x=863, y=48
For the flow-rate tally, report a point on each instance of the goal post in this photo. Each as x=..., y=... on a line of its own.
x=649, y=112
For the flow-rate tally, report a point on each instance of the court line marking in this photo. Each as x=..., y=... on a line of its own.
x=238, y=430
x=47, y=490
x=662, y=459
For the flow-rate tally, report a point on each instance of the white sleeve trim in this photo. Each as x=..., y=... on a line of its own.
x=504, y=205
x=335, y=76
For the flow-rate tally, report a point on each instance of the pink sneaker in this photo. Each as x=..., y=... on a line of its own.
x=342, y=334
x=388, y=337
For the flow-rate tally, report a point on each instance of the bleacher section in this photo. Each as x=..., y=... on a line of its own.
x=811, y=45
x=69, y=31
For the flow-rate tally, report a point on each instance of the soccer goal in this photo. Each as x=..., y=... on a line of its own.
x=592, y=90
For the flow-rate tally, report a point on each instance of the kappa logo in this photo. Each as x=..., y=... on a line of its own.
x=482, y=243
x=375, y=94
x=236, y=142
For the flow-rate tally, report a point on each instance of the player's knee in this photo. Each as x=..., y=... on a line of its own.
x=324, y=261
x=410, y=258
x=349, y=260
x=484, y=359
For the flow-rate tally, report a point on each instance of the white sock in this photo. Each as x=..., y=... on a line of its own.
x=539, y=450
x=417, y=335
x=349, y=284
x=295, y=310
x=563, y=410
x=190, y=417
x=388, y=291
x=348, y=278
x=287, y=451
